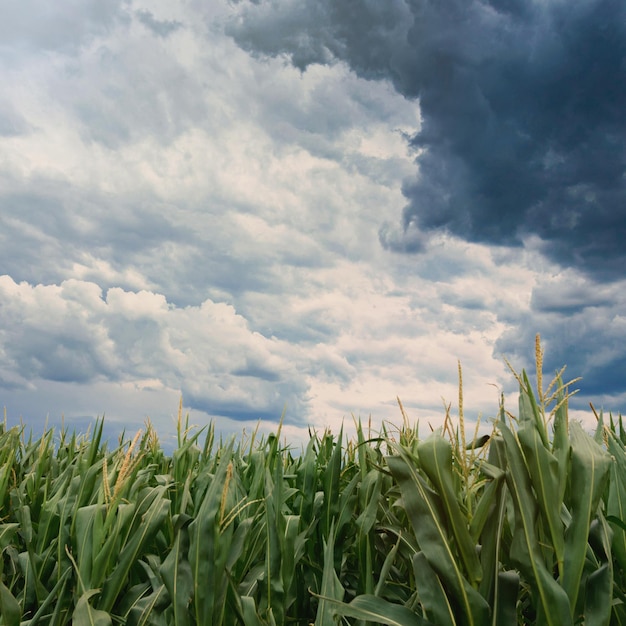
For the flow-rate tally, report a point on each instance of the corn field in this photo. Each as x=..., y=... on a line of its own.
x=522, y=526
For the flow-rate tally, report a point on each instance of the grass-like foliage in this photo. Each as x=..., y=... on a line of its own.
x=522, y=526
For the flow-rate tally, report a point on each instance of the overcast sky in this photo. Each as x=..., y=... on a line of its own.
x=308, y=205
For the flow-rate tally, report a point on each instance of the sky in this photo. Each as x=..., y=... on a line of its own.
x=308, y=208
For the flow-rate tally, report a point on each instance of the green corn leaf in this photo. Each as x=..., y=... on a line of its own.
x=307, y=475
x=177, y=576
x=598, y=597
x=106, y=558
x=369, y=500
x=373, y=609
x=10, y=610
x=150, y=512
x=435, y=457
x=506, y=598
x=49, y=520
x=598, y=436
x=598, y=592
x=332, y=494
x=7, y=532
x=250, y=584
x=525, y=549
x=386, y=568
x=616, y=501
x=131, y=599
x=529, y=411
x=485, y=507
x=493, y=503
x=424, y=512
x=292, y=552
x=87, y=481
x=590, y=466
x=85, y=542
x=245, y=535
x=431, y=593
x=275, y=534
x=560, y=440
x=146, y=612
x=30, y=578
x=26, y=525
x=544, y=471
x=5, y=469
x=94, y=446
x=85, y=615
x=250, y=615
x=616, y=521
x=56, y=598
x=209, y=548
x=347, y=505
x=332, y=589
x=67, y=509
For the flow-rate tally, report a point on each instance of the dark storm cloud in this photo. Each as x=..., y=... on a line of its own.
x=523, y=127
x=241, y=411
x=369, y=35
x=589, y=349
x=570, y=297
x=162, y=28
x=582, y=325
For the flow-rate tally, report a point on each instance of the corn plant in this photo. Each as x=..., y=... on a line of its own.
x=525, y=525
x=523, y=536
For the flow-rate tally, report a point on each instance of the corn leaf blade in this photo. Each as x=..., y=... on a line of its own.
x=525, y=549
x=373, y=609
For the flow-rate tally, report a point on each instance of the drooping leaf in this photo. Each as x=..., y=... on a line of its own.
x=10, y=610
x=373, y=609
x=525, y=549
x=432, y=595
x=435, y=458
x=85, y=615
x=424, y=511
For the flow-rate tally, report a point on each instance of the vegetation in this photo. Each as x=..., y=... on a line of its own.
x=524, y=526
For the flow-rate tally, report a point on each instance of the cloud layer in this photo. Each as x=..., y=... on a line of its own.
x=522, y=103
x=193, y=198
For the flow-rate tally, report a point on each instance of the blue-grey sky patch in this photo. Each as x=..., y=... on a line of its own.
x=35, y=25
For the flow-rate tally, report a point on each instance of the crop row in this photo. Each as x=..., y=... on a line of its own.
x=525, y=525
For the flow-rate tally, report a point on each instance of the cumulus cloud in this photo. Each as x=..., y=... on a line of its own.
x=521, y=102
x=74, y=332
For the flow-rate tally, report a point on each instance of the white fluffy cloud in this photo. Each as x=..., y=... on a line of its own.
x=74, y=332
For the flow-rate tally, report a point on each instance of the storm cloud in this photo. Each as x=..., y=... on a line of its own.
x=522, y=102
